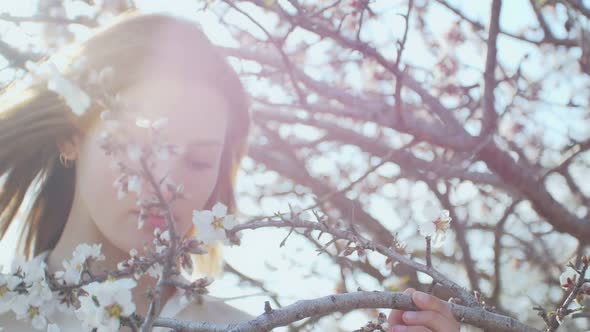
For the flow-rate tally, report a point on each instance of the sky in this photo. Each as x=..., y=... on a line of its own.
x=260, y=250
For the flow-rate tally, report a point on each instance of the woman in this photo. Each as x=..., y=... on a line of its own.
x=162, y=67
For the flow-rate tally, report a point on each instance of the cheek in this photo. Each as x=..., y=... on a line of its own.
x=199, y=187
x=96, y=185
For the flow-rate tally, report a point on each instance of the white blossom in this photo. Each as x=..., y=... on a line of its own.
x=142, y=122
x=133, y=152
x=31, y=270
x=33, y=275
x=159, y=249
x=8, y=282
x=134, y=184
x=36, y=303
x=155, y=271
x=34, y=309
x=162, y=153
x=82, y=254
x=39, y=288
x=161, y=240
x=73, y=95
x=121, y=265
x=99, y=77
x=53, y=328
x=160, y=123
x=211, y=225
x=436, y=229
x=126, y=183
x=165, y=235
x=568, y=278
x=298, y=213
x=141, y=220
x=219, y=210
x=147, y=124
x=105, y=304
x=428, y=229
x=121, y=185
x=90, y=314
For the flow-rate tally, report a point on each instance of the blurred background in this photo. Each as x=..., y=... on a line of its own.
x=380, y=122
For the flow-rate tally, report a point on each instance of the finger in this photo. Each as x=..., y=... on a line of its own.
x=402, y=328
x=428, y=302
x=431, y=319
x=395, y=316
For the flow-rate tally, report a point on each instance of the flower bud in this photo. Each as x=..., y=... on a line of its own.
x=348, y=251
x=203, y=282
x=195, y=246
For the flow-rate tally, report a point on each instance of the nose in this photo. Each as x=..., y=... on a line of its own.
x=170, y=185
x=163, y=168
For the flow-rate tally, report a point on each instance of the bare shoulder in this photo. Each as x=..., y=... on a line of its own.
x=213, y=310
x=67, y=322
x=8, y=322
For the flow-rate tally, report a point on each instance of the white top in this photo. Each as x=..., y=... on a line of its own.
x=212, y=310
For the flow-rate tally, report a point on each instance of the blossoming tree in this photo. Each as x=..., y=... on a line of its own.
x=425, y=144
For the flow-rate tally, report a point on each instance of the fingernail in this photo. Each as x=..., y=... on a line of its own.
x=422, y=297
x=399, y=328
x=409, y=315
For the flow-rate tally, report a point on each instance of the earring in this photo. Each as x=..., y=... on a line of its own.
x=66, y=162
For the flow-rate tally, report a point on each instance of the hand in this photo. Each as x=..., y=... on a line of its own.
x=434, y=315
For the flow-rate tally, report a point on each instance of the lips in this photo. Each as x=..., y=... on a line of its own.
x=155, y=221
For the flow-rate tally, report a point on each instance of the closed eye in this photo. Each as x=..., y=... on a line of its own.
x=198, y=165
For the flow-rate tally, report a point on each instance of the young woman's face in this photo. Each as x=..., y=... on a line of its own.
x=197, y=119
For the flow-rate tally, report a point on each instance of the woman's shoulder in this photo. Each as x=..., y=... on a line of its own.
x=8, y=322
x=67, y=323
x=207, y=308
x=213, y=310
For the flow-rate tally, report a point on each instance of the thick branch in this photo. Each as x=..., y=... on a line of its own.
x=556, y=214
x=345, y=302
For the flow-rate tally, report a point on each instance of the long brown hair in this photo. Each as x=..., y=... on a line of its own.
x=33, y=120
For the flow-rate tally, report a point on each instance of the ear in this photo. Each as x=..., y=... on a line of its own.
x=69, y=146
